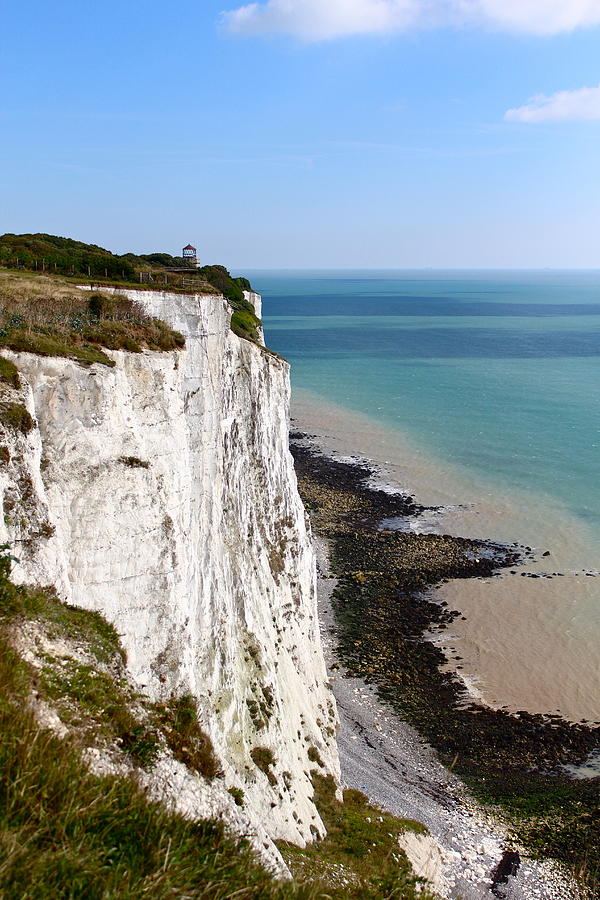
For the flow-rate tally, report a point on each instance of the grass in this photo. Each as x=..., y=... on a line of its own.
x=244, y=321
x=66, y=834
x=98, y=704
x=20, y=603
x=360, y=858
x=50, y=317
x=264, y=759
x=188, y=742
x=16, y=417
x=9, y=374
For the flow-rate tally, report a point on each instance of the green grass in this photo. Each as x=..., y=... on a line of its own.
x=9, y=374
x=188, y=742
x=98, y=704
x=66, y=834
x=16, y=417
x=245, y=324
x=20, y=603
x=360, y=858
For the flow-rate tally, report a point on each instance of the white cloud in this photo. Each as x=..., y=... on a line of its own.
x=582, y=105
x=532, y=16
x=315, y=20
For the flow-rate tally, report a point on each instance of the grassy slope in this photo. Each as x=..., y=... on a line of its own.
x=48, y=316
x=65, y=833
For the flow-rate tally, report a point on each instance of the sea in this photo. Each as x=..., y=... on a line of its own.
x=478, y=392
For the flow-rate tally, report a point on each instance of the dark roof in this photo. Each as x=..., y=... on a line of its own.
x=189, y=247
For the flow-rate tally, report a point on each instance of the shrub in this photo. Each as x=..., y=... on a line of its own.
x=237, y=794
x=314, y=756
x=49, y=317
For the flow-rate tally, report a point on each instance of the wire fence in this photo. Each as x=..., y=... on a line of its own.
x=156, y=279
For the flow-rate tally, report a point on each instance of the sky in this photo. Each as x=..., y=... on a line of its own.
x=307, y=133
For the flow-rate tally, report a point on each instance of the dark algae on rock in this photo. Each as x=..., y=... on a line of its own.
x=385, y=605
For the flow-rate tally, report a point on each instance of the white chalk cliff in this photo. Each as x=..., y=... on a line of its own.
x=171, y=491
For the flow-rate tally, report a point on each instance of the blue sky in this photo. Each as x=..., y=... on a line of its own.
x=307, y=133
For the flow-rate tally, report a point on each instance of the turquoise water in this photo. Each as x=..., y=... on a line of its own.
x=497, y=372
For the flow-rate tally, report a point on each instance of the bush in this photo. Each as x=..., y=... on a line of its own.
x=48, y=317
x=132, y=462
x=238, y=795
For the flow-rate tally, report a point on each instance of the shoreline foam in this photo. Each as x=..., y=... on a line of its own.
x=525, y=643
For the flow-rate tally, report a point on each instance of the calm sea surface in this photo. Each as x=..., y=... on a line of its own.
x=498, y=372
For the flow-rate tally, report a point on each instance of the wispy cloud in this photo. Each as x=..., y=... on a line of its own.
x=532, y=16
x=582, y=105
x=318, y=20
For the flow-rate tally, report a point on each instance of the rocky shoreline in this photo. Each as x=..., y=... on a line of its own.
x=382, y=604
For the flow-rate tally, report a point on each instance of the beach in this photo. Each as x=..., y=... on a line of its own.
x=524, y=642
x=385, y=758
x=493, y=785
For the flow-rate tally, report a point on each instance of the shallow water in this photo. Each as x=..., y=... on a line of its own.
x=479, y=393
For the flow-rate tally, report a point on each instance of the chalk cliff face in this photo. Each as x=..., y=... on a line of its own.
x=173, y=499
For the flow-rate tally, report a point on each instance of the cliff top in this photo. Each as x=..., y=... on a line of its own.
x=73, y=262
